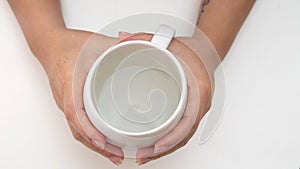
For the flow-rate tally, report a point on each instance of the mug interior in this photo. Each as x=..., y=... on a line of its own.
x=136, y=87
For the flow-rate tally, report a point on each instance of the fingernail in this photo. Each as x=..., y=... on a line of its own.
x=99, y=144
x=161, y=149
x=116, y=160
x=142, y=161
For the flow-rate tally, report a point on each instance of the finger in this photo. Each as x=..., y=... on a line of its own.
x=84, y=126
x=145, y=152
x=118, y=155
x=188, y=120
x=142, y=155
x=138, y=36
x=180, y=131
x=112, y=157
x=86, y=141
x=88, y=131
x=124, y=35
x=108, y=151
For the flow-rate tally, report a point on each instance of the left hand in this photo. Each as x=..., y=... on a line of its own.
x=199, y=101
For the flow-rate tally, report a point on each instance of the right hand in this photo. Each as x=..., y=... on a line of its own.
x=60, y=61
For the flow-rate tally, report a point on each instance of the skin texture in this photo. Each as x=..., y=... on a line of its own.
x=57, y=48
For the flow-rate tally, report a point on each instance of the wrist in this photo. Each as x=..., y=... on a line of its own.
x=41, y=43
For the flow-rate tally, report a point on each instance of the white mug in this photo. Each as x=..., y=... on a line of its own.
x=136, y=91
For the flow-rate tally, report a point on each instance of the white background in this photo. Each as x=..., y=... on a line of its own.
x=260, y=127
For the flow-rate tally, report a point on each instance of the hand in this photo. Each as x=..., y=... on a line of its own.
x=60, y=62
x=200, y=89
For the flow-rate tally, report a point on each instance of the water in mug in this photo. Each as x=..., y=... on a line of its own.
x=136, y=98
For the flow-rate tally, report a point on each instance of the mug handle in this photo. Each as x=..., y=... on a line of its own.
x=163, y=36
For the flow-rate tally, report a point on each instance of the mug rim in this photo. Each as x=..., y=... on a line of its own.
x=89, y=99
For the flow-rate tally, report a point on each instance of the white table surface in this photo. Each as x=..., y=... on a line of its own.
x=260, y=127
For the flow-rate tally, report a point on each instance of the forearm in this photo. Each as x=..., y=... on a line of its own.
x=41, y=22
x=222, y=20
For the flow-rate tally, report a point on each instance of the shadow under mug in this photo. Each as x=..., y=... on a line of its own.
x=136, y=91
